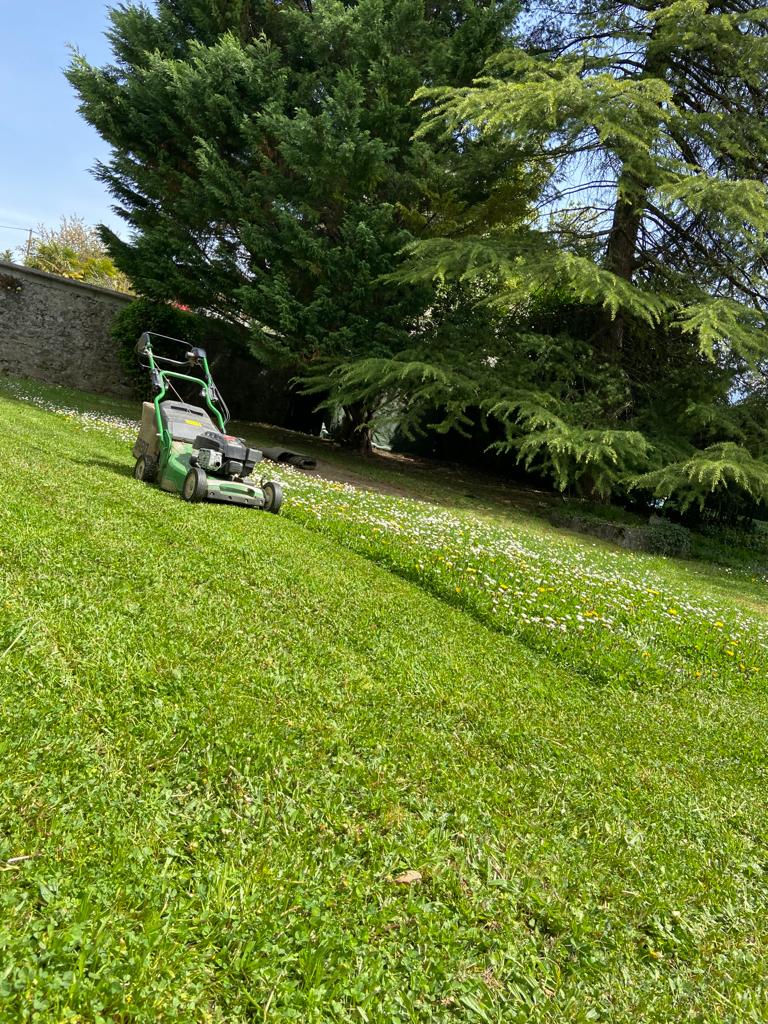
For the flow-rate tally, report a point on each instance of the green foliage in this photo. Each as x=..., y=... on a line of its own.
x=657, y=537
x=744, y=543
x=263, y=157
x=643, y=130
x=706, y=476
x=602, y=511
x=9, y=283
x=720, y=322
x=675, y=149
x=537, y=389
x=75, y=250
x=575, y=456
x=563, y=238
x=146, y=315
x=663, y=537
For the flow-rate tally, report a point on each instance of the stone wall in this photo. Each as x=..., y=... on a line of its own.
x=57, y=330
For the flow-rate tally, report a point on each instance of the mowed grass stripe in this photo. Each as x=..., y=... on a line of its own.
x=224, y=736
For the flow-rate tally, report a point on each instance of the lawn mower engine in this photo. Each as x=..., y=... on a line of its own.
x=224, y=456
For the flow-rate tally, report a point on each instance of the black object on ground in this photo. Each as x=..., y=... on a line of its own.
x=292, y=458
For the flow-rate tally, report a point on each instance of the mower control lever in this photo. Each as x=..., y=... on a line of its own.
x=195, y=356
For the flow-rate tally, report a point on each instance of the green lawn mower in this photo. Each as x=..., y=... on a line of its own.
x=185, y=448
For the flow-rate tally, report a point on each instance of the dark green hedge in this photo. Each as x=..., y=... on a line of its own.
x=146, y=315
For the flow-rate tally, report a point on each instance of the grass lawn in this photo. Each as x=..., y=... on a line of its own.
x=226, y=735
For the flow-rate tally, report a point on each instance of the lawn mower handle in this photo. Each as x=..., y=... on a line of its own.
x=196, y=358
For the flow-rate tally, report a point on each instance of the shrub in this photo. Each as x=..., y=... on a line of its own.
x=660, y=537
x=754, y=538
x=147, y=315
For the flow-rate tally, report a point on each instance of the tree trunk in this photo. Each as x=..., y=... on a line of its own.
x=620, y=259
x=621, y=252
x=354, y=434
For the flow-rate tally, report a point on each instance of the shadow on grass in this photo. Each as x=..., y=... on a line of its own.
x=116, y=467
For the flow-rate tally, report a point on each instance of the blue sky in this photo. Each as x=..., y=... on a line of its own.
x=46, y=149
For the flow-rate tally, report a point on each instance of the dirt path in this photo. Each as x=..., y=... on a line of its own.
x=406, y=476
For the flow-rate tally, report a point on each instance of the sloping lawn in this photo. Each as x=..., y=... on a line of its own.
x=225, y=735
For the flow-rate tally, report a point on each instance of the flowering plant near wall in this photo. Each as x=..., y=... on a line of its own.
x=9, y=283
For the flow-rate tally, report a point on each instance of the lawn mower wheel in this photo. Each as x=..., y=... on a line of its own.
x=145, y=469
x=195, y=485
x=273, y=496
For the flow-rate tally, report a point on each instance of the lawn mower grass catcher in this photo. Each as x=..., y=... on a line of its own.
x=185, y=448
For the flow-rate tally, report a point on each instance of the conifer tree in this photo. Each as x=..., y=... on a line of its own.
x=264, y=161
x=646, y=123
x=651, y=119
